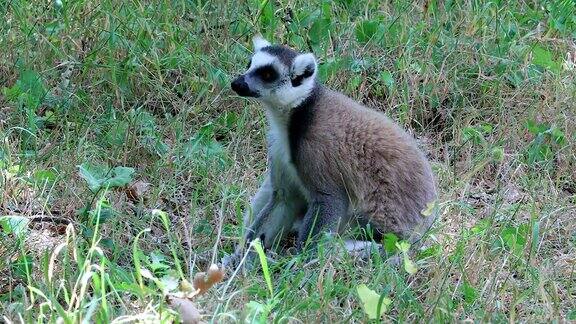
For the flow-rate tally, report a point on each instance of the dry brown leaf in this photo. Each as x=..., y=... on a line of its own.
x=137, y=190
x=205, y=280
x=189, y=314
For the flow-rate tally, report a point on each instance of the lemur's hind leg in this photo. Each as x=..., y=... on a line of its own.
x=286, y=203
x=277, y=210
x=278, y=217
x=326, y=213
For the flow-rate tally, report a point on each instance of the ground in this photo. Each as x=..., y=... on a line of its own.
x=126, y=161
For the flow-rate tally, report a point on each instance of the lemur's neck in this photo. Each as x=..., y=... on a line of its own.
x=308, y=101
x=300, y=120
x=290, y=125
x=279, y=112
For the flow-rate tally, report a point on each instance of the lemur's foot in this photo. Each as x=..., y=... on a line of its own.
x=363, y=250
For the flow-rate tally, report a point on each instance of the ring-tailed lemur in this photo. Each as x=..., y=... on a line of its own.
x=332, y=162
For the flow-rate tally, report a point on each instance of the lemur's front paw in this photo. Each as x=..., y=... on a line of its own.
x=254, y=235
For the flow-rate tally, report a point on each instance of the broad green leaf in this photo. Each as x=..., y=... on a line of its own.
x=268, y=19
x=539, y=150
x=31, y=83
x=515, y=238
x=515, y=77
x=257, y=312
x=121, y=176
x=22, y=267
x=390, y=241
x=361, y=65
x=535, y=128
x=108, y=243
x=14, y=224
x=97, y=177
x=13, y=170
x=557, y=135
x=469, y=292
x=544, y=58
x=387, y=78
x=42, y=176
x=473, y=135
x=92, y=174
x=116, y=134
x=331, y=66
x=486, y=128
x=370, y=300
x=480, y=227
x=319, y=31
x=169, y=283
x=429, y=210
x=103, y=212
x=365, y=30
x=403, y=246
x=354, y=82
x=409, y=266
x=158, y=263
x=497, y=153
x=432, y=251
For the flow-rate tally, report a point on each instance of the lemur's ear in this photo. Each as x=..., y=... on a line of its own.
x=303, y=67
x=259, y=43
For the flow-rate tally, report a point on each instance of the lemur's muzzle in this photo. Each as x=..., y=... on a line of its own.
x=240, y=86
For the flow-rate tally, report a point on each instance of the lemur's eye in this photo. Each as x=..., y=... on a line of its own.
x=266, y=73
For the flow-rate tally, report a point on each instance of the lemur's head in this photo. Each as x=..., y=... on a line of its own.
x=277, y=75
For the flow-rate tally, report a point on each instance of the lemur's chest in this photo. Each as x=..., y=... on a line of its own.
x=280, y=151
x=285, y=171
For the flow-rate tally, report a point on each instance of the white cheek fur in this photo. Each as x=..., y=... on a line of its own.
x=260, y=59
x=287, y=97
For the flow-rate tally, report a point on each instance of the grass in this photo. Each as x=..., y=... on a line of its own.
x=97, y=95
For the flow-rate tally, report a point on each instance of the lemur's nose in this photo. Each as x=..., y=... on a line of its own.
x=240, y=86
